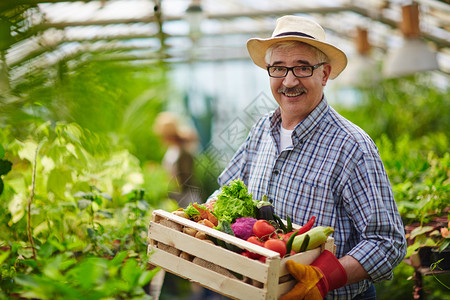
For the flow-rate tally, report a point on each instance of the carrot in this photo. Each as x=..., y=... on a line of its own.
x=212, y=217
x=203, y=212
x=206, y=222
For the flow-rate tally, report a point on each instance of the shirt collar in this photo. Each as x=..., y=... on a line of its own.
x=304, y=129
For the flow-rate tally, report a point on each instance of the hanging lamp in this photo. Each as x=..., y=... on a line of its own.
x=414, y=55
x=194, y=16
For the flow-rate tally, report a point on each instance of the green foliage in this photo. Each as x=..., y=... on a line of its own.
x=89, y=138
x=403, y=106
x=60, y=275
x=106, y=98
x=74, y=219
x=409, y=120
x=420, y=178
x=5, y=167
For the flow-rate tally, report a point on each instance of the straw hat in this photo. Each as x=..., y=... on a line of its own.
x=166, y=125
x=295, y=28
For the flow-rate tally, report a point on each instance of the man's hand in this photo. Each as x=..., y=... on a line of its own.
x=307, y=278
x=316, y=280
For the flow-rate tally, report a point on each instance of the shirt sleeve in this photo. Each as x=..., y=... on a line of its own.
x=370, y=204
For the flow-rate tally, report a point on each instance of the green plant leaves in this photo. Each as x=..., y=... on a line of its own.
x=5, y=167
x=420, y=231
x=57, y=181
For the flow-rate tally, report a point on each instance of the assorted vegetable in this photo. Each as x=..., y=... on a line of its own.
x=243, y=227
x=317, y=236
x=234, y=202
x=236, y=213
x=265, y=210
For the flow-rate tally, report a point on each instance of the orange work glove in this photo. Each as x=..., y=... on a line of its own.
x=316, y=280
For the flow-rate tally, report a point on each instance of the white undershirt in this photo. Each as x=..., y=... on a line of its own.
x=285, y=138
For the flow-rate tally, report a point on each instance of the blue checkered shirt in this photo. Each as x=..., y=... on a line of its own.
x=333, y=171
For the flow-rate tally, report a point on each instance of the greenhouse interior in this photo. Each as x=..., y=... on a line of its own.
x=118, y=117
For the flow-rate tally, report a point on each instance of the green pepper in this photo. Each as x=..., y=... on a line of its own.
x=289, y=243
x=280, y=223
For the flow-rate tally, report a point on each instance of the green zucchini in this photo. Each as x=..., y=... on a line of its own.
x=317, y=236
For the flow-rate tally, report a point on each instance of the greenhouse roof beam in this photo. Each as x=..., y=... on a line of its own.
x=379, y=17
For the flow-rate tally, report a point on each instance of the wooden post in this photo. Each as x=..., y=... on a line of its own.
x=410, y=21
x=362, y=42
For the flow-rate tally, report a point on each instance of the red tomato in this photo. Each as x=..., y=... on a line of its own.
x=263, y=229
x=255, y=240
x=246, y=253
x=276, y=245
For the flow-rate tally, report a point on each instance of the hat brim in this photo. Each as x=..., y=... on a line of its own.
x=257, y=49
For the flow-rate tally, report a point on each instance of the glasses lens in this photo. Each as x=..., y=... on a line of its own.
x=303, y=71
x=276, y=71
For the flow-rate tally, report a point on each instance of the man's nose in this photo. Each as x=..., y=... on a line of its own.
x=290, y=80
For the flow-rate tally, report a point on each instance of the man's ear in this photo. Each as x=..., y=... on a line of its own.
x=326, y=73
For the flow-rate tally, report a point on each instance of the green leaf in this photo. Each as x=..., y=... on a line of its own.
x=17, y=207
x=28, y=151
x=68, y=263
x=445, y=244
x=83, y=203
x=57, y=181
x=91, y=233
x=5, y=166
x=420, y=230
x=130, y=272
x=4, y=256
x=98, y=200
x=106, y=214
x=89, y=272
x=145, y=277
x=119, y=258
x=106, y=196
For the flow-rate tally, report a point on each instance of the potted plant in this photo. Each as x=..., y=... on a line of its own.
x=441, y=255
x=429, y=244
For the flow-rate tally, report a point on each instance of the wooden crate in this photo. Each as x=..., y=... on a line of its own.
x=217, y=268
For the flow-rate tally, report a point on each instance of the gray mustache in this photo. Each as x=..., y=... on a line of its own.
x=293, y=90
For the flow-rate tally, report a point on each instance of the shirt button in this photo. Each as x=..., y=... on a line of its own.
x=276, y=172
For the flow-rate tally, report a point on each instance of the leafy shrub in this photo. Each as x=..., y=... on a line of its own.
x=89, y=205
x=409, y=120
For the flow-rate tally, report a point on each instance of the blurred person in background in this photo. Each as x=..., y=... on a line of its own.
x=181, y=142
x=310, y=161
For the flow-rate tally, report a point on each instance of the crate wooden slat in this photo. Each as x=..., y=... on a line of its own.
x=228, y=286
x=254, y=279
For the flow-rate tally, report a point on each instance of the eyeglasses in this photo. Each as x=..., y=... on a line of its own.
x=298, y=71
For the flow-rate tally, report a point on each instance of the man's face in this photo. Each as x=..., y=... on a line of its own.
x=297, y=97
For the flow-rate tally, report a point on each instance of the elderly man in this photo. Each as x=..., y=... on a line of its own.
x=310, y=161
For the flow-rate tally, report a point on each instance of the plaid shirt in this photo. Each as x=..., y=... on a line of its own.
x=333, y=171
